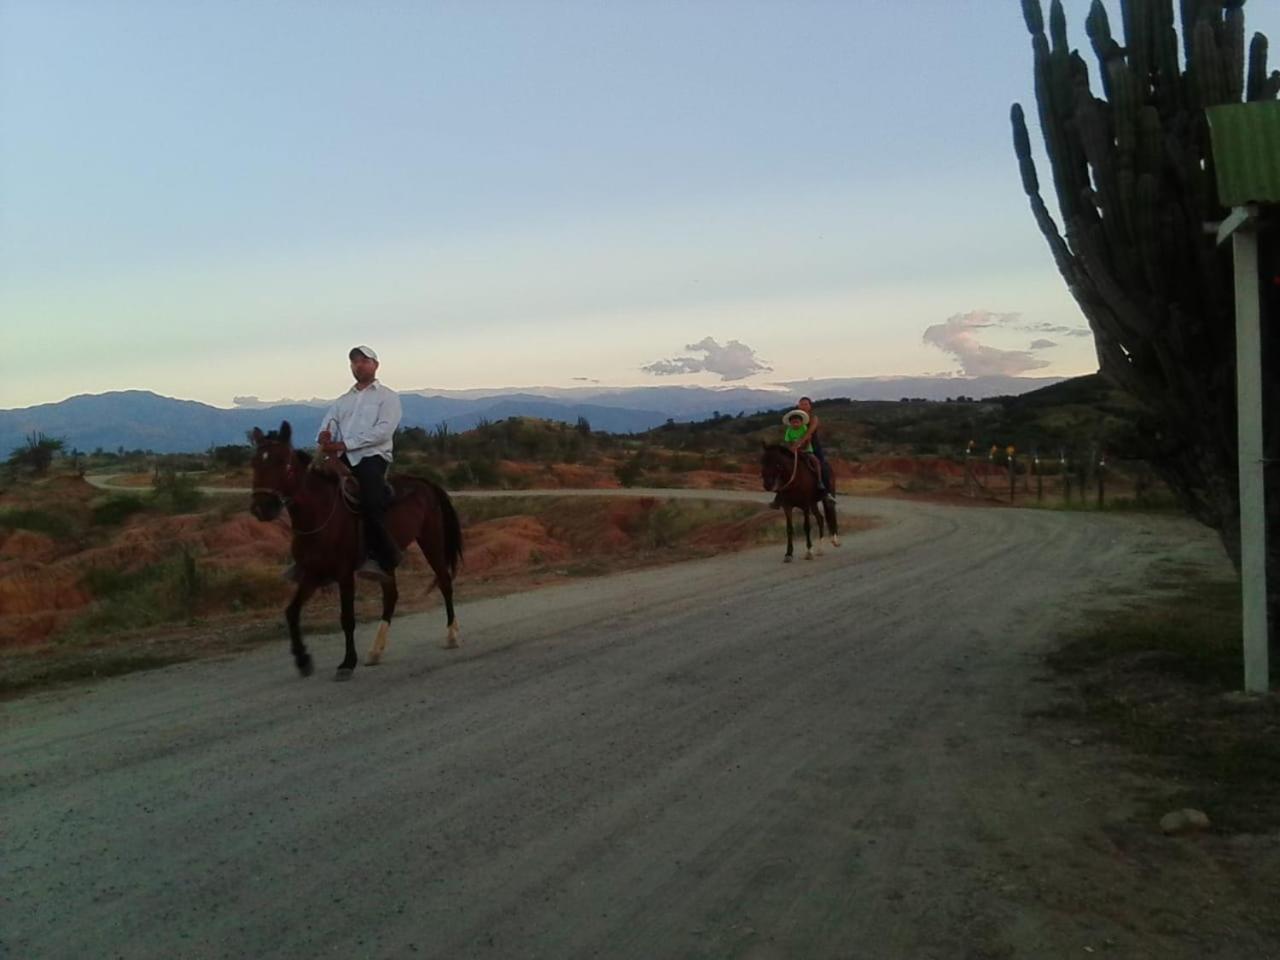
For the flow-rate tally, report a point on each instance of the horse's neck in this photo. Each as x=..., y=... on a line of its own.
x=313, y=499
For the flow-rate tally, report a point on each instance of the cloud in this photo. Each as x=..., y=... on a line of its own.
x=1042, y=344
x=958, y=337
x=732, y=361
x=585, y=379
x=1043, y=327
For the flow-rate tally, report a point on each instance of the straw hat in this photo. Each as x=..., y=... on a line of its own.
x=804, y=417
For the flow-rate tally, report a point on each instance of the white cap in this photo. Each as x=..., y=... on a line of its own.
x=367, y=351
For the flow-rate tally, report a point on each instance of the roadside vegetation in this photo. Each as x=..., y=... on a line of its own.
x=96, y=583
x=1160, y=677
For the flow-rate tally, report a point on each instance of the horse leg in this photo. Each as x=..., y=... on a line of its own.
x=808, y=536
x=390, y=594
x=790, y=534
x=434, y=553
x=292, y=615
x=829, y=508
x=817, y=547
x=347, y=597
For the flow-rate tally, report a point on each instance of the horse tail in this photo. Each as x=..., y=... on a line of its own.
x=452, y=530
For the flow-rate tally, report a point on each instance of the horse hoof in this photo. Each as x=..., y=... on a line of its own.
x=306, y=668
x=344, y=673
x=809, y=555
x=835, y=541
x=788, y=558
x=372, y=659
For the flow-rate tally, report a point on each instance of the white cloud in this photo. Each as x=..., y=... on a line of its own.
x=732, y=361
x=1042, y=344
x=958, y=336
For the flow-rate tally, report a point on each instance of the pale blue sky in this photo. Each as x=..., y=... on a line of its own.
x=211, y=199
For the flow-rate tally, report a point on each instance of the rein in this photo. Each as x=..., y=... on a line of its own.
x=289, y=501
x=795, y=469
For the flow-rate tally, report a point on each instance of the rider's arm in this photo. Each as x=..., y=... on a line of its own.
x=809, y=432
x=328, y=426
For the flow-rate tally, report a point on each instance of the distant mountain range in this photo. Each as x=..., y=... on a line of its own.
x=141, y=420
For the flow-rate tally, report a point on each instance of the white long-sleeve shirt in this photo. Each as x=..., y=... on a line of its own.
x=365, y=420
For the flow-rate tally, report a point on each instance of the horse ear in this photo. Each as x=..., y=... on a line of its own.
x=255, y=436
x=285, y=431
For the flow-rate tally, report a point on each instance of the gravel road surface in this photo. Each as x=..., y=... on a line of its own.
x=725, y=758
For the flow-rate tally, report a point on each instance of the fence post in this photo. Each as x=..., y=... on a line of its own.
x=1039, y=480
x=1102, y=472
x=1013, y=473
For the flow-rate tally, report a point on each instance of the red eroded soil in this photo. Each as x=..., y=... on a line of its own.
x=47, y=583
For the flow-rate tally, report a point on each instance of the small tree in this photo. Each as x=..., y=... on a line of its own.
x=36, y=453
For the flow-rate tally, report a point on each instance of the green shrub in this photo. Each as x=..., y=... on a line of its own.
x=41, y=521
x=117, y=509
x=460, y=475
x=629, y=472
x=177, y=492
x=166, y=591
x=485, y=472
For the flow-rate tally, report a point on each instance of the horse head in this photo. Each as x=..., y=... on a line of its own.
x=274, y=471
x=776, y=465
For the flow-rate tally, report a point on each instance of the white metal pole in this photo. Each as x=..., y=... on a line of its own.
x=1253, y=526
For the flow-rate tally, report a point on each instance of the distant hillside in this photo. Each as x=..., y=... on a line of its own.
x=141, y=420
x=919, y=388
x=1073, y=415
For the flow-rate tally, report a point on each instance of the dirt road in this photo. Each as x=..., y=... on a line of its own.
x=728, y=758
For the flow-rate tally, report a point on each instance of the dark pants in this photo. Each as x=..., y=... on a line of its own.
x=371, y=472
x=822, y=460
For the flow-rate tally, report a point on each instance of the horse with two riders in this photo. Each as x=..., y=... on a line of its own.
x=801, y=481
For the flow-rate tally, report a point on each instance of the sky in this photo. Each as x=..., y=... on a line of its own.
x=219, y=198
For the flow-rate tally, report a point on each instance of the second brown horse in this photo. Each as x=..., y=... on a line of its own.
x=787, y=473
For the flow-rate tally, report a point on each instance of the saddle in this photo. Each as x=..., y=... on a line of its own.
x=348, y=485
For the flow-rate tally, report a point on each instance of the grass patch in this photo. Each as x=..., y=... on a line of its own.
x=116, y=510
x=54, y=525
x=1159, y=677
x=167, y=591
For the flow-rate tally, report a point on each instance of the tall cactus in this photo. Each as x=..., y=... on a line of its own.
x=1134, y=179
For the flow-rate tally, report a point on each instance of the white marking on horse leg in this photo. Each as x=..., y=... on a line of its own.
x=379, y=644
x=835, y=540
x=453, y=643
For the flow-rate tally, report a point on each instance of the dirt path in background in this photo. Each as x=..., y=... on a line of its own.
x=669, y=763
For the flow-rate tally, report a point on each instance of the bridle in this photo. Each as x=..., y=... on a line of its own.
x=286, y=501
x=795, y=469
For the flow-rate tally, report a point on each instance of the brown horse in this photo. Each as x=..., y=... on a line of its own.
x=788, y=473
x=327, y=537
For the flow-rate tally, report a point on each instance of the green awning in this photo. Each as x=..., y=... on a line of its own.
x=1246, y=151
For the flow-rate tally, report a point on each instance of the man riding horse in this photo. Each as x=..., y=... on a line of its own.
x=358, y=429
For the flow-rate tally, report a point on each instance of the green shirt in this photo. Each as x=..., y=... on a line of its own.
x=795, y=433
